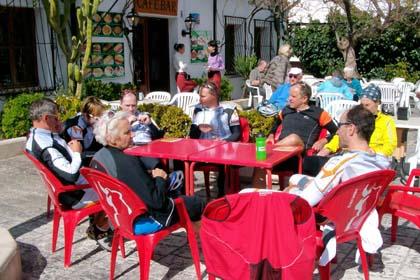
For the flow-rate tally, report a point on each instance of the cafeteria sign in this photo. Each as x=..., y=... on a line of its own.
x=161, y=7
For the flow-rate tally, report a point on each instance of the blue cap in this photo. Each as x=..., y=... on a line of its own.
x=372, y=91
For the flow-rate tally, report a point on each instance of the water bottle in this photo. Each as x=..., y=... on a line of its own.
x=260, y=147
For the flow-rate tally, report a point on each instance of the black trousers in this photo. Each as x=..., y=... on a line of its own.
x=313, y=164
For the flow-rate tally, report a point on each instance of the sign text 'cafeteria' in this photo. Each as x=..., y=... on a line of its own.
x=161, y=7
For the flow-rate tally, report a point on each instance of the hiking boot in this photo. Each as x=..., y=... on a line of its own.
x=94, y=233
x=375, y=263
x=105, y=243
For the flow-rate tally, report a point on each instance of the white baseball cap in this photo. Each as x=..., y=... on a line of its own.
x=295, y=71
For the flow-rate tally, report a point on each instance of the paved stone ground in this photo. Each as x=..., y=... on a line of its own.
x=22, y=211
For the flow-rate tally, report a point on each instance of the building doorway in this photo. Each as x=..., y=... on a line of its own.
x=151, y=54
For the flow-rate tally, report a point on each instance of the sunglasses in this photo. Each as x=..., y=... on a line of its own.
x=340, y=124
x=293, y=76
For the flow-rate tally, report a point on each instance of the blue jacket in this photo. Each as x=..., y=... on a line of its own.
x=280, y=96
x=354, y=84
x=328, y=86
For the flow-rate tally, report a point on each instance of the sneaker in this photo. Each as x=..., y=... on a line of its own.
x=375, y=263
x=95, y=233
x=105, y=243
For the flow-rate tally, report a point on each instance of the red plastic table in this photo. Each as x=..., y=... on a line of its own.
x=243, y=154
x=175, y=148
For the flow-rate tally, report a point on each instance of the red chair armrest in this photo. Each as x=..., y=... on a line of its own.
x=403, y=188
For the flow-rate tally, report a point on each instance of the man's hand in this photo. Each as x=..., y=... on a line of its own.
x=255, y=83
x=75, y=146
x=157, y=172
x=132, y=119
x=270, y=139
x=324, y=152
x=318, y=145
x=144, y=119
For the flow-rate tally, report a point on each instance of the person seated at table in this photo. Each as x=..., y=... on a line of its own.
x=80, y=127
x=182, y=79
x=155, y=188
x=64, y=160
x=355, y=129
x=257, y=73
x=281, y=95
x=144, y=130
x=353, y=83
x=214, y=121
x=336, y=85
x=383, y=140
x=301, y=125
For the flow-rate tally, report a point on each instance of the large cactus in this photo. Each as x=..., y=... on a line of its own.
x=58, y=15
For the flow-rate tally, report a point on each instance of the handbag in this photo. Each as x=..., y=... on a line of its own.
x=402, y=113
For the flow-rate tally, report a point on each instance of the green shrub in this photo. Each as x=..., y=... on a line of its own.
x=15, y=121
x=226, y=89
x=175, y=122
x=68, y=106
x=258, y=123
x=105, y=91
x=171, y=119
x=244, y=64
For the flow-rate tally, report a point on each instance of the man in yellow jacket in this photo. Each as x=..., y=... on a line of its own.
x=383, y=140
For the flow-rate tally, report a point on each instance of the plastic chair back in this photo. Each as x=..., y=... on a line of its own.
x=233, y=251
x=268, y=91
x=337, y=107
x=349, y=204
x=186, y=101
x=252, y=89
x=120, y=203
x=324, y=98
x=161, y=96
x=389, y=95
x=245, y=130
x=53, y=185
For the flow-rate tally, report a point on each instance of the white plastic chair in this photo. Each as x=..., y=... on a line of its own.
x=314, y=89
x=268, y=91
x=252, y=89
x=324, y=98
x=337, y=107
x=186, y=101
x=160, y=96
x=389, y=95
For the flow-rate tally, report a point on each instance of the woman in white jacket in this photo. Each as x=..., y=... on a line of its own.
x=183, y=82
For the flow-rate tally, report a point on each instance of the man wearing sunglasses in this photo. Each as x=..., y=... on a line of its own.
x=280, y=96
x=355, y=129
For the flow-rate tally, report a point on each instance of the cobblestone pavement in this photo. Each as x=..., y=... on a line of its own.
x=22, y=211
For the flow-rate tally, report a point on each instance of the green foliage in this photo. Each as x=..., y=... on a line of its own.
x=15, y=121
x=175, y=122
x=315, y=45
x=258, y=123
x=244, y=64
x=105, y=91
x=397, y=47
x=226, y=87
x=68, y=106
x=171, y=119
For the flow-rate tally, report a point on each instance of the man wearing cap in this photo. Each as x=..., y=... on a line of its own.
x=280, y=96
x=383, y=140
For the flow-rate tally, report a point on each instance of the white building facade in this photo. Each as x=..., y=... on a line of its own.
x=143, y=55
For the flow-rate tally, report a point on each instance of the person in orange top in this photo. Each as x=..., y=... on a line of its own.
x=301, y=122
x=301, y=126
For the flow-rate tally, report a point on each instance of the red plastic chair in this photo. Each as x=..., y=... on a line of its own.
x=259, y=235
x=123, y=206
x=71, y=218
x=347, y=206
x=245, y=133
x=401, y=201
